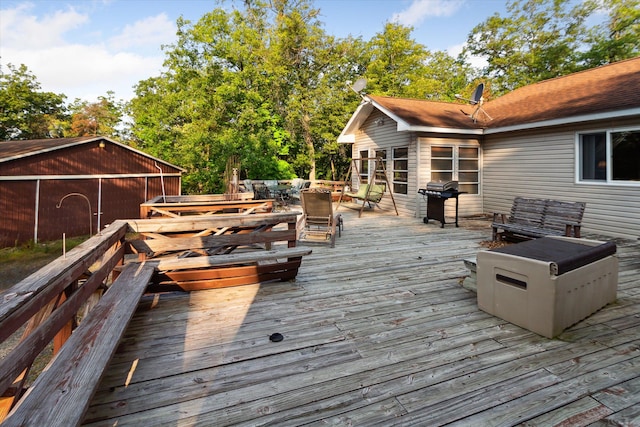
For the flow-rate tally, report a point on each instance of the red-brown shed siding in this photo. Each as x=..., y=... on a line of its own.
x=85, y=177
x=16, y=212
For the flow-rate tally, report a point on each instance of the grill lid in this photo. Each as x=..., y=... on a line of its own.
x=442, y=186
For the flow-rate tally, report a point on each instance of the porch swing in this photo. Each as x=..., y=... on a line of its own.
x=371, y=192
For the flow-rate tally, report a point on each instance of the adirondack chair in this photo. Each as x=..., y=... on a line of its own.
x=319, y=220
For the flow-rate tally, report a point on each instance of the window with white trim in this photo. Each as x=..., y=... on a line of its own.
x=457, y=163
x=380, y=168
x=611, y=156
x=364, y=166
x=400, y=158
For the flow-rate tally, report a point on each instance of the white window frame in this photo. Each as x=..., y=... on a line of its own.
x=394, y=170
x=455, y=163
x=609, y=156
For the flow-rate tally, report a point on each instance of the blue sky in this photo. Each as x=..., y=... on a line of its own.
x=83, y=48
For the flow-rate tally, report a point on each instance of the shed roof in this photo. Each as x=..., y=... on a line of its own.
x=602, y=92
x=13, y=150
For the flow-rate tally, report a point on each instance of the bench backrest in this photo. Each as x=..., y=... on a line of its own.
x=546, y=213
x=376, y=192
x=527, y=211
x=560, y=214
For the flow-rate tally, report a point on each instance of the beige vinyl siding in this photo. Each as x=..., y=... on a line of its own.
x=387, y=137
x=542, y=165
x=468, y=204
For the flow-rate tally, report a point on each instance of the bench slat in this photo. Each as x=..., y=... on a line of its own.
x=229, y=259
x=61, y=394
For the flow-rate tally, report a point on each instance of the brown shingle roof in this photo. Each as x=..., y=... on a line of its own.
x=418, y=112
x=12, y=149
x=599, y=90
x=608, y=88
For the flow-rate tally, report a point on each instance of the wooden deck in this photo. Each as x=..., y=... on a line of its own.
x=377, y=331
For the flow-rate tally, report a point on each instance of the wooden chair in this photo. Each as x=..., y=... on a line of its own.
x=319, y=220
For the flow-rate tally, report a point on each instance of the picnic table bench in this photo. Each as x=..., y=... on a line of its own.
x=533, y=218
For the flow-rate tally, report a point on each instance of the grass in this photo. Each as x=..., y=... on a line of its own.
x=18, y=262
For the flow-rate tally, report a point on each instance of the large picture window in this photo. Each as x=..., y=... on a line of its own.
x=609, y=156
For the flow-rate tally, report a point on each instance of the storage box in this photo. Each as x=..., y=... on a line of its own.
x=548, y=284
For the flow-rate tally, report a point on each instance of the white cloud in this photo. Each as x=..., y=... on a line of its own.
x=21, y=29
x=151, y=31
x=475, y=61
x=419, y=10
x=84, y=68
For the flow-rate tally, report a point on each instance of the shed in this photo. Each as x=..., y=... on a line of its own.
x=572, y=138
x=75, y=186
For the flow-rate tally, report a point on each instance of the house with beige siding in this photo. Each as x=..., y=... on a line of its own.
x=571, y=138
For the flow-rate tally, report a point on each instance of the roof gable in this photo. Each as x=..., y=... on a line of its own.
x=12, y=150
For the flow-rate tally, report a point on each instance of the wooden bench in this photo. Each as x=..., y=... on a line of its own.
x=62, y=393
x=533, y=218
x=90, y=283
x=214, y=251
x=86, y=283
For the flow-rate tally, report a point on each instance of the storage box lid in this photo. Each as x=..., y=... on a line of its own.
x=565, y=255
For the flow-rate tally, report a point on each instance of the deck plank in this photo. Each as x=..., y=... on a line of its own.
x=377, y=331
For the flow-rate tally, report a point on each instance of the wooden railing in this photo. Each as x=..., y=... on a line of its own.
x=175, y=206
x=49, y=302
x=92, y=283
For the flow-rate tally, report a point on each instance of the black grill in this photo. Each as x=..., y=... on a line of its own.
x=437, y=193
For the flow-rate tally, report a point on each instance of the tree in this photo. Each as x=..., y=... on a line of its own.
x=396, y=65
x=254, y=83
x=618, y=37
x=210, y=102
x=97, y=118
x=25, y=111
x=540, y=39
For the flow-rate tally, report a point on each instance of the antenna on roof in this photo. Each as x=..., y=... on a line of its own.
x=476, y=99
x=358, y=86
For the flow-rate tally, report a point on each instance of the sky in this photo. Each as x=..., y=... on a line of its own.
x=84, y=48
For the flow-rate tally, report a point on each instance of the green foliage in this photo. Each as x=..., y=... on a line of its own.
x=540, y=39
x=25, y=111
x=256, y=84
x=618, y=37
x=399, y=66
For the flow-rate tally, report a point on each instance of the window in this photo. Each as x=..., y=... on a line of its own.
x=441, y=163
x=457, y=163
x=364, y=166
x=381, y=168
x=400, y=170
x=621, y=147
x=468, y=169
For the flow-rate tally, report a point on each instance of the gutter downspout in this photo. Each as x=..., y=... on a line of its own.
x=37, y=211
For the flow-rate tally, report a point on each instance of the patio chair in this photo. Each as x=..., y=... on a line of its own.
x=297, y=185
x=261, y=191
x=319, y=220
x=272, y=185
